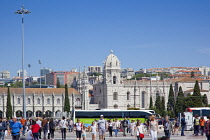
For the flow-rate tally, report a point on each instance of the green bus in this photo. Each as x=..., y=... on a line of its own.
x=88, y=116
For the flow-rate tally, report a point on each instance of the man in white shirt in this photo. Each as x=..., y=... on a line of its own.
x=102, y=127
x=63, y=125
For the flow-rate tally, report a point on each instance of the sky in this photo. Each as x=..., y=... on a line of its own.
x=66, y=34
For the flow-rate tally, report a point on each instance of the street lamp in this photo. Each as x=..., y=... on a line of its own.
x=23, y=11
x=40, y=80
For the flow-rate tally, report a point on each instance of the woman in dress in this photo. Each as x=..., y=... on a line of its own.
x=139, y=129
x=176, y=126
x=93, y=128
x=153, y=128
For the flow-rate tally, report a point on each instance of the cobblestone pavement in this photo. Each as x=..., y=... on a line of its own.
x=72, y=136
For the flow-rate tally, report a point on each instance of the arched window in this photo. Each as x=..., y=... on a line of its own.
x=38, y=101
x=143, y=99
x=48, y=100
x=157, y=94
x=115, y=96
x=128, y=95
x=18, y=100
x=58, y=101
x=114, y=79
x=78, y=103
x=29, y=101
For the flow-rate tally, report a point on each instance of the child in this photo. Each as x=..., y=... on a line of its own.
x=93, y=130
x=84, y=133
x=30, y=135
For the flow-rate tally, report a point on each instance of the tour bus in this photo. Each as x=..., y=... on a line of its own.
x=88, y=116
x=200, y=111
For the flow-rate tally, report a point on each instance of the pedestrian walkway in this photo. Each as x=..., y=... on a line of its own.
x=72, y=136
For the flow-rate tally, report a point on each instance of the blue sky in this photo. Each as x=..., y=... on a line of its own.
x=67, y=34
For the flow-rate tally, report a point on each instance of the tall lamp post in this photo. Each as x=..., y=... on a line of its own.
x=40, y=80
x=23, y=11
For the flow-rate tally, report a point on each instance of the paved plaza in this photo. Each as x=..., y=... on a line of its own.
x=72, y=136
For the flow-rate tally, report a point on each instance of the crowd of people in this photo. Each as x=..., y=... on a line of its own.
x=44, y=128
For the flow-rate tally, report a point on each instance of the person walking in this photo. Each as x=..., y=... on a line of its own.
x=15, y=129
x=45, y=127
x=124, y=124
x=23, y=122
x=51, y=128
x=176, y=126
x=110, y=127
x=207, y=127
x=3, y=128
x=35, y=130
x=40, y=125
x=116, y=127
x=83, y=133
x=168, y=127
x=129, y=122
x=93, y=129
x=202, y=122
x=196, y=125
x=139, y=129
x=132, y=127
x=153, y=128
x=63, y=125
x=78, y=126
x=183, y=124
x=102, y=127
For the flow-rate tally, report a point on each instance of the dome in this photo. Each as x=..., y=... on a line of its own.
x=112, y=62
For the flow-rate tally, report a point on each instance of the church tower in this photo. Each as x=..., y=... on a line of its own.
x=112, y=70
x=85, y=92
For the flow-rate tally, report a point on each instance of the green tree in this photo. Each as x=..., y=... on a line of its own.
x=158, y=105
x=205, y=100
x=151, y=103
x=163, y=109
x=58, y=85
x=192, y=74
x=171, y=102
x=189, y=101
x=9, y=105
x=66, y=103
x=197, y=95
x=180, y=102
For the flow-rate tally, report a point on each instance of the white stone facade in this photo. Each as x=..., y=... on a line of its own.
x=48, y=101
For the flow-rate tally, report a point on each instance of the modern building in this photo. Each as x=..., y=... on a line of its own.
x=65, y=77
x=4, y=74
x=204, y=70
x=45, y=71
x=20, y=73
